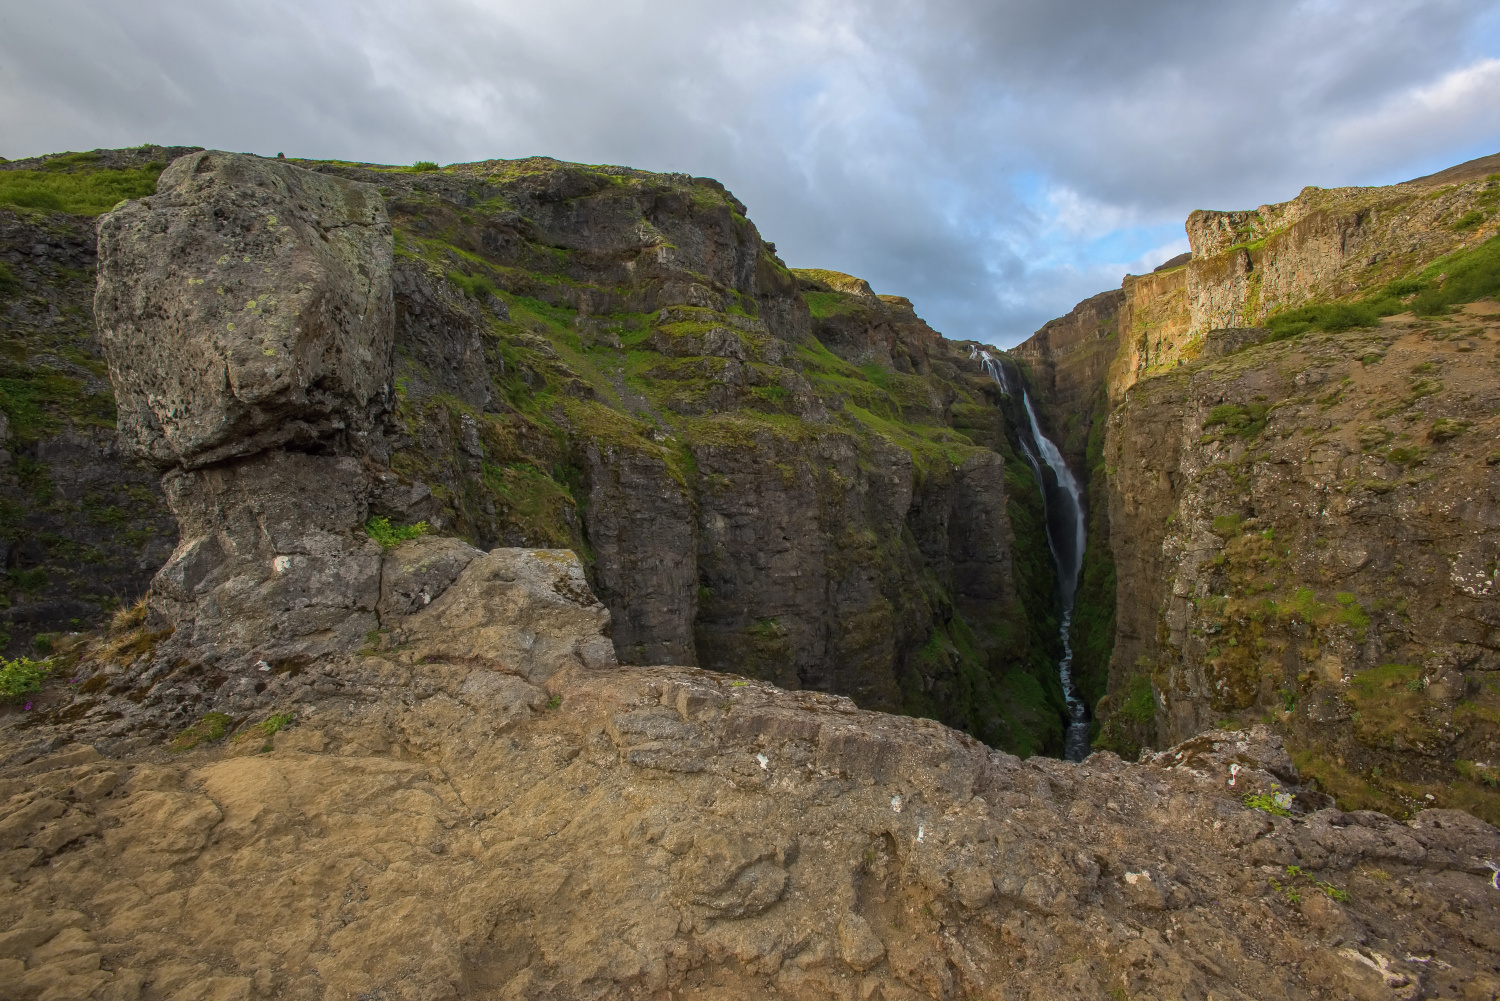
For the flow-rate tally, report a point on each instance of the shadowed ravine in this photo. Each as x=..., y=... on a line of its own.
x=1066, y=536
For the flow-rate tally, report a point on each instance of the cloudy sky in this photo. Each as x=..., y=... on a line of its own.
x=994, y=161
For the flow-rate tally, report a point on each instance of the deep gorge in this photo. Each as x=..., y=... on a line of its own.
x=775, y=473
x=511, y=580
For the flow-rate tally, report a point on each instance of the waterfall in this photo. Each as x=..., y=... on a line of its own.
x=1066, y=536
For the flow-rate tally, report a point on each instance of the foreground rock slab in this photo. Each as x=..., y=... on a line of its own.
x=432, y=829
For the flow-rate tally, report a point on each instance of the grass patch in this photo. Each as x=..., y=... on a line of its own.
x=209, y=728
x=474, y=286
x=22, y=676
x=1464, y=276
x=75, y=188
x=389, y=536
x=1246, y=421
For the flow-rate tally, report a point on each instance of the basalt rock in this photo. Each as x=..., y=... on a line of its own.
x=245, y=309
x=418, y=822
x=244, y=306
x=83, y=523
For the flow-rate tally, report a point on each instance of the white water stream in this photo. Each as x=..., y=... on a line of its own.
x=1066, y=535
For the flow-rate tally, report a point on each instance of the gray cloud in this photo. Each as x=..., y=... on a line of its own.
x=995, y=162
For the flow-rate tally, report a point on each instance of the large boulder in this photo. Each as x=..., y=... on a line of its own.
x=246, y=305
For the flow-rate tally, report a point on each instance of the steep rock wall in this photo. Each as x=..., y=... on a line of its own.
x=1324, y=244
x=83, y=523
x=1066, y=362
x=610, y=361
x=1307, y=531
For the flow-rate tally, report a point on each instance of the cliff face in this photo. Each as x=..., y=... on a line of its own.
x=780, y=475
x=83, y=525
x=1307, y=531
x=1297, y=526
x=1324, y=244
x=1065, y=364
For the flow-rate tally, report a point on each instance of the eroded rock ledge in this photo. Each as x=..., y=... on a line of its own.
x=443, y=821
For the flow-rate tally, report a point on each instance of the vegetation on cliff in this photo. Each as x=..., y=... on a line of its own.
x=81, y=530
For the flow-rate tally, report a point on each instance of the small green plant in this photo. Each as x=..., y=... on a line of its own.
x=209, y=728
x=1444, y=429
x=554, y=702
x=389, y=536
x=422, y=166
x=1333, y=892
x=1276, y=804
x=473, y=286
x=1469, y=220
x=276, y=723
x=738, y=684
x=22, y=676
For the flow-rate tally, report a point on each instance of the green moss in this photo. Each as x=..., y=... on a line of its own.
x=75, y=187
x=210, y=727
x=534, y=503
x=1243, y=420
x=389, y=536
x=40, y=402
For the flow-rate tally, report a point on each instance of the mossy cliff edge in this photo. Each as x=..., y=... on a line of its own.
x=769, y=472
x=1296, y=474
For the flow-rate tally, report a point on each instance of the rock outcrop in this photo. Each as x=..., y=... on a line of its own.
x=1324, y=244
x=594, y=358
x=434, y=821
x=246, y=308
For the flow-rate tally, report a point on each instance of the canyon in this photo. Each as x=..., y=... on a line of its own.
x=551, y=594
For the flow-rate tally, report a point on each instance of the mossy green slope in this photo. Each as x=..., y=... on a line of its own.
x=613, y=361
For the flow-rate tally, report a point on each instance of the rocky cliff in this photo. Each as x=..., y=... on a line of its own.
x=83, y=525
x=1301, y=515
x=1323, y=245
x=765, y=473
x=336, y=753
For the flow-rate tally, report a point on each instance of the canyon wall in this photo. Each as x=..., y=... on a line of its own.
x=781, y=475
x=83, y=523
x=1325, y=244
x=1298, y=529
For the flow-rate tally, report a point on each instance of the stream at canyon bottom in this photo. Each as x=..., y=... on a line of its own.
x=1062, y=504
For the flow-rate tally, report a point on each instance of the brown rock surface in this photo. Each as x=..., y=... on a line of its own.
x=1323, y=244
x=1308, y=529
x=432, y=829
